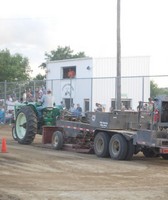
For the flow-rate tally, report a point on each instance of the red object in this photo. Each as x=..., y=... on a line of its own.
x=71, y=74
x=164, y=150
x=156, y=115
x=47, y=134
x=3, y=148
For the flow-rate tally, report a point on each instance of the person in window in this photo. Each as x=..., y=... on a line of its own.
x=71, y=73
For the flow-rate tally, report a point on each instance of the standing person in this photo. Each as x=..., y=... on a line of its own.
x=24, y=96
x=40, y=94
x=2, y=115
x=63, y=105
x=150, y=105
x=78, y=110
x=72, y=109
x=36, y=94
x=29, y=95
x=98, y=107
x=9, y=103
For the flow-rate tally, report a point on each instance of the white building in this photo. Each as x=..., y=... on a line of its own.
x=95, y=79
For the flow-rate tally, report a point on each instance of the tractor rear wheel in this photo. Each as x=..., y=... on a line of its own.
x=14, y=133
x=26, y=125
x=118, y=147
x=57, y=140
x=101, y=143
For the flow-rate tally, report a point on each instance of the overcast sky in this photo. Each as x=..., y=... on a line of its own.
x=33, y=27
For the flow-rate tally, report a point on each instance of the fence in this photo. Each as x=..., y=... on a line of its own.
x=87, y=92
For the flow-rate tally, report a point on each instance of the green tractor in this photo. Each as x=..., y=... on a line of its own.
x=28, y=121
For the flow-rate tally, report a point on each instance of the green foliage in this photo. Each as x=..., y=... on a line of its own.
x=39, y=77
x=155, y=90
x=13, y=67
x=61, y=53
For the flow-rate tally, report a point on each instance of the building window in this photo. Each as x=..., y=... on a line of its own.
x=69, y=72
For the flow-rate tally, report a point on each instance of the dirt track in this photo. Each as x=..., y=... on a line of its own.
x=38, y=173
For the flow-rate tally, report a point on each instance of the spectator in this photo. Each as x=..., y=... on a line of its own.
x=122, y=107
x=9, y=98
x=98, y=107
x=111, y=109
x=24, y=97
x=2, y=115
x=78, y=110
x=40, y=93
x=36, y=94
x=150, y=105
x=72, y=109
x=9, y=115
x=9, y=103
x=63, y=105
x=29, y=95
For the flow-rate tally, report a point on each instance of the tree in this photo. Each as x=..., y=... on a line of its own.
x=155, y=90
x=61, y=53
x=13, y=67
x=39, y=77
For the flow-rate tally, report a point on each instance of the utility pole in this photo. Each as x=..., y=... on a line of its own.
x=118, y=79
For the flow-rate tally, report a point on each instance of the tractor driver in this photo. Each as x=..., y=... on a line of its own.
x=47, y=100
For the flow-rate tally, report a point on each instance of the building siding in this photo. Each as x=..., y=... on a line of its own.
x=95, y=80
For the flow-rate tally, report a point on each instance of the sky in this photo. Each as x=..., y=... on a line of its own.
x=33, y=27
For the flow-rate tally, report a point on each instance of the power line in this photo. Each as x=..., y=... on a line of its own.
x=27, y=18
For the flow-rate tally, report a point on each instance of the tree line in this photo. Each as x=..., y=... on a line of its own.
x=16, y=67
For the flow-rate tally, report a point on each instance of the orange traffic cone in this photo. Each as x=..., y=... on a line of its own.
x=3, y=148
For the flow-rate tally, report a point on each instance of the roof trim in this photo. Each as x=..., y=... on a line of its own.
x=67, y=60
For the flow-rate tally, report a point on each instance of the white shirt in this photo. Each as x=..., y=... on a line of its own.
x=47, y=100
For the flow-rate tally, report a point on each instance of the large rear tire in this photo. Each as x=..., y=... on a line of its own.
x=14, y=133
x=118, y=147
x=57, y=140
x=26, y=125
x=101, y=143
x=130, y=150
